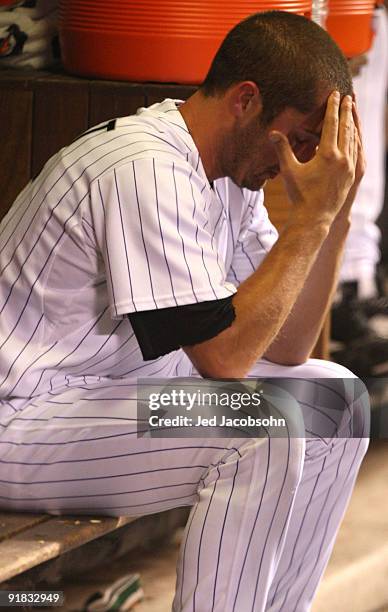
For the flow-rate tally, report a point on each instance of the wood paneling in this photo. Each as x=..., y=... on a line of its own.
x=60, y=115
x=277, y=203
x=110, y=99
x=157, y=93
x=322, y=347
x=15, y=150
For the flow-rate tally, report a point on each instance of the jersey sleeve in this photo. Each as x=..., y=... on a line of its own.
x=159, y=332
x=256, y=237
x=155, y=238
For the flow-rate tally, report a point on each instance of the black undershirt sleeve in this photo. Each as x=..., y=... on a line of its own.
x=161, y=331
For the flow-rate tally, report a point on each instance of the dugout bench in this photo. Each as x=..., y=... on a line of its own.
x=42, y=112
x=27, y=540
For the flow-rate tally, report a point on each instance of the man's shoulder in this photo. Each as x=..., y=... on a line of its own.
x=157, y=128
x=157, y=132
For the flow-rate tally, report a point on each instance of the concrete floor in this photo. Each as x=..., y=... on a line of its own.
x=356, y=579
x=157, y=571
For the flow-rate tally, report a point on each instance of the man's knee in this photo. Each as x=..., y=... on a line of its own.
x=312, y=368
x=281, y=457
x=333, y=401
x=322, y=368
x=343, y=388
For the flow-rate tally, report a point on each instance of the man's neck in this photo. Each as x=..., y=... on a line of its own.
x=202, y=118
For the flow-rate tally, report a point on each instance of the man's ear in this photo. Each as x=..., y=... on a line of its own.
x=244, y=100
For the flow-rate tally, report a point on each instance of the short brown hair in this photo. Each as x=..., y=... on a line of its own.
x=288, y=56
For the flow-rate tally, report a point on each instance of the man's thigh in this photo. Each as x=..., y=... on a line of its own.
x=80, y=451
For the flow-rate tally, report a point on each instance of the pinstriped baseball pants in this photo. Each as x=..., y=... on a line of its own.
x=265, y=511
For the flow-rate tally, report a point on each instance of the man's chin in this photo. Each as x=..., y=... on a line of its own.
x=256, y=184
x=253, y=185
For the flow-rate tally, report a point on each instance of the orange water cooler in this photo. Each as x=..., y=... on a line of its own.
x=349, y=22
x=153, y=40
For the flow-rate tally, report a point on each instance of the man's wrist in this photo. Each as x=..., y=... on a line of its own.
x=319, y=225
x=341, y=223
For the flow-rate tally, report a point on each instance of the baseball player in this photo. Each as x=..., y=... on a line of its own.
x=354, y=322
x=144, y=250
x=371, y=86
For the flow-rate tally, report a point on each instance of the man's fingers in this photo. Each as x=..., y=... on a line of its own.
x=283, y=150
x=361, y=163
x=329, y=137
x=356, y=120
x=357, y=147
x=346, y=127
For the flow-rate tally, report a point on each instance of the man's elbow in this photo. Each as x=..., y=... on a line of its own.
x=215, y=362
x=286, y=359
x=220, y=371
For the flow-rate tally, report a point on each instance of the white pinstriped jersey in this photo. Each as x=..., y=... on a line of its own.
x=119, y=221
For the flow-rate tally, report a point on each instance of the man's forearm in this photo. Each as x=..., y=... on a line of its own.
x=262, y=303
x=300, y=332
